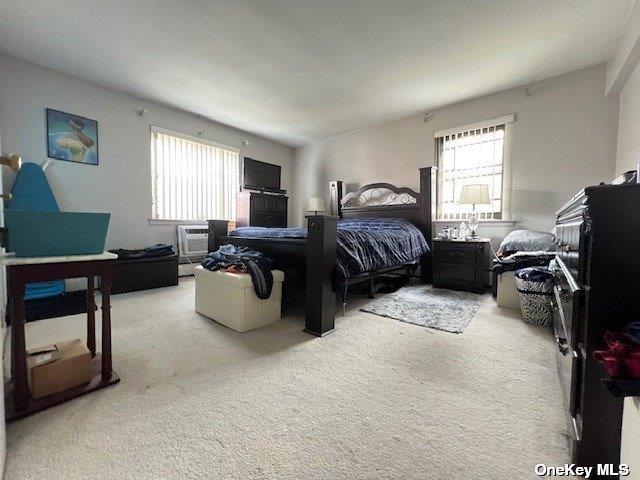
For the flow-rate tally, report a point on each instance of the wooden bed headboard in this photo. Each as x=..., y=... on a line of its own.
x=386, y=200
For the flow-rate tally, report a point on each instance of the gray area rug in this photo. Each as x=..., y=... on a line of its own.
x=423, y=305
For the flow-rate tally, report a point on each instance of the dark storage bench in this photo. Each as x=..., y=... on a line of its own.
x=133, y=274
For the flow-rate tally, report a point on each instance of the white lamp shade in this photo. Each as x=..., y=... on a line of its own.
x=475, y=194
x=316, y=204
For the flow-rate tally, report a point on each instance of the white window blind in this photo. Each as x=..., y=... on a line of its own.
x=192, y=179
x=475, y=155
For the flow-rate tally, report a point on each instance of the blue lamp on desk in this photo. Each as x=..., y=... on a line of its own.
x=477, y=194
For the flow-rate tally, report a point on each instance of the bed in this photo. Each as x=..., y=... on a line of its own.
x=365, y=246
x=376, y=230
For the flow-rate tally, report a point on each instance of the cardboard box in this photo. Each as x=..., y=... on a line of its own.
x=59, y=367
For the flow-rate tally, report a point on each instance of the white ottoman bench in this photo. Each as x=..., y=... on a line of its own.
x=229, y=299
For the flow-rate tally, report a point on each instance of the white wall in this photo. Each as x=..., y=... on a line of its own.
x=626, y=54
x=629, y=125
x=564, y=139
x=121, y=184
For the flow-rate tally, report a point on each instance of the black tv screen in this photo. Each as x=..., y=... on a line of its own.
x=260, y=175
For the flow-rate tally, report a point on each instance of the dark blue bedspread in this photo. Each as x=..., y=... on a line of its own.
x=364, y=244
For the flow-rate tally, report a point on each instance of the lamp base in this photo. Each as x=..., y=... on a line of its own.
x=473, y=222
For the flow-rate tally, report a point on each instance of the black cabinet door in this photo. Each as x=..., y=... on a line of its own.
x=270, y=202
x=265, y=211
x=258, y=203
x=270, y=220
x=280, y=221
x=280, y=206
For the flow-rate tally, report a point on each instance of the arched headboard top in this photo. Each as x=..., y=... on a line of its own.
x=376, y=195
x=387, y=200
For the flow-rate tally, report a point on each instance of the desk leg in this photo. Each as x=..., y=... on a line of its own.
x=106, y=328
x=91, y=316
x=18, y=345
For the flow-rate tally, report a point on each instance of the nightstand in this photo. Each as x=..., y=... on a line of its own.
x=461, y=264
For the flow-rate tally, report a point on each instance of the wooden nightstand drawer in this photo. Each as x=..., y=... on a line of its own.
x=457, y=272
x=455, y=254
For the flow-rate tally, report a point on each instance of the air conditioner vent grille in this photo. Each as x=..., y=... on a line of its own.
x=193, y=242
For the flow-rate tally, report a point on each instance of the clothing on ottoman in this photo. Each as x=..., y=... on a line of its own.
x=255, y=263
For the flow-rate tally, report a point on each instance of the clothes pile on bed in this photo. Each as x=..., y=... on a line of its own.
x=364, y=244
x=243, y=260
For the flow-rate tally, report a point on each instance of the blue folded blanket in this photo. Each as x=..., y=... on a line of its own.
x=158, y=250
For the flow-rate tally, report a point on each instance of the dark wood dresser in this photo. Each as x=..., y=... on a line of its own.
x=597, y=290
x=257, y=209
x=461, y=265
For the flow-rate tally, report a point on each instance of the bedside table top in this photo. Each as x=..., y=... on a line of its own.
x=462, y=240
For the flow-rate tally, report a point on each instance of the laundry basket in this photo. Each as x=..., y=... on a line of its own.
x=535, y=289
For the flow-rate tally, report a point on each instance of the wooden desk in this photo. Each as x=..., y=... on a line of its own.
x=21, y=271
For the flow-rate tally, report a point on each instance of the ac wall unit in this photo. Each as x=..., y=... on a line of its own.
x=193, y=242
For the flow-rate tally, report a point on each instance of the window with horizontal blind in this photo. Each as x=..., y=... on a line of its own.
x=473, y=154
x=192, y=179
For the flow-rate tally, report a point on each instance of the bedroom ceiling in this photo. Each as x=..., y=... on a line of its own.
x=298, y=71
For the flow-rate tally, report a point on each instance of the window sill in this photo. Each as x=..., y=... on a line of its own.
x=155, y=221
x=488, y=223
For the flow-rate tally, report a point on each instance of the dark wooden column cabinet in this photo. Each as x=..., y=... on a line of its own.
x=255, y=209
x=596, y=290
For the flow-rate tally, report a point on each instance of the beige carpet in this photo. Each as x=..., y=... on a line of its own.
x=376, y=399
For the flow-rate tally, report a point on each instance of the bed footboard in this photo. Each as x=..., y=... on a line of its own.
x=321, y=267
x=314, y=258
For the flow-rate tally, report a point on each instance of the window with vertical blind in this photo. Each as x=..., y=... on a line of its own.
x=474, y=154
x=192, y=179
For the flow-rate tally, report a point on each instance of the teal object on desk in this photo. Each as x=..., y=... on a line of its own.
x=48, y=234
x=31, y=191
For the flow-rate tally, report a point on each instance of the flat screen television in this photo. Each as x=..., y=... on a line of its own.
x=260, y=175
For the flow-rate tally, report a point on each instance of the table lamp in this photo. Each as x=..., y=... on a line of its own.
x=474, y=195
x=316, y=205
